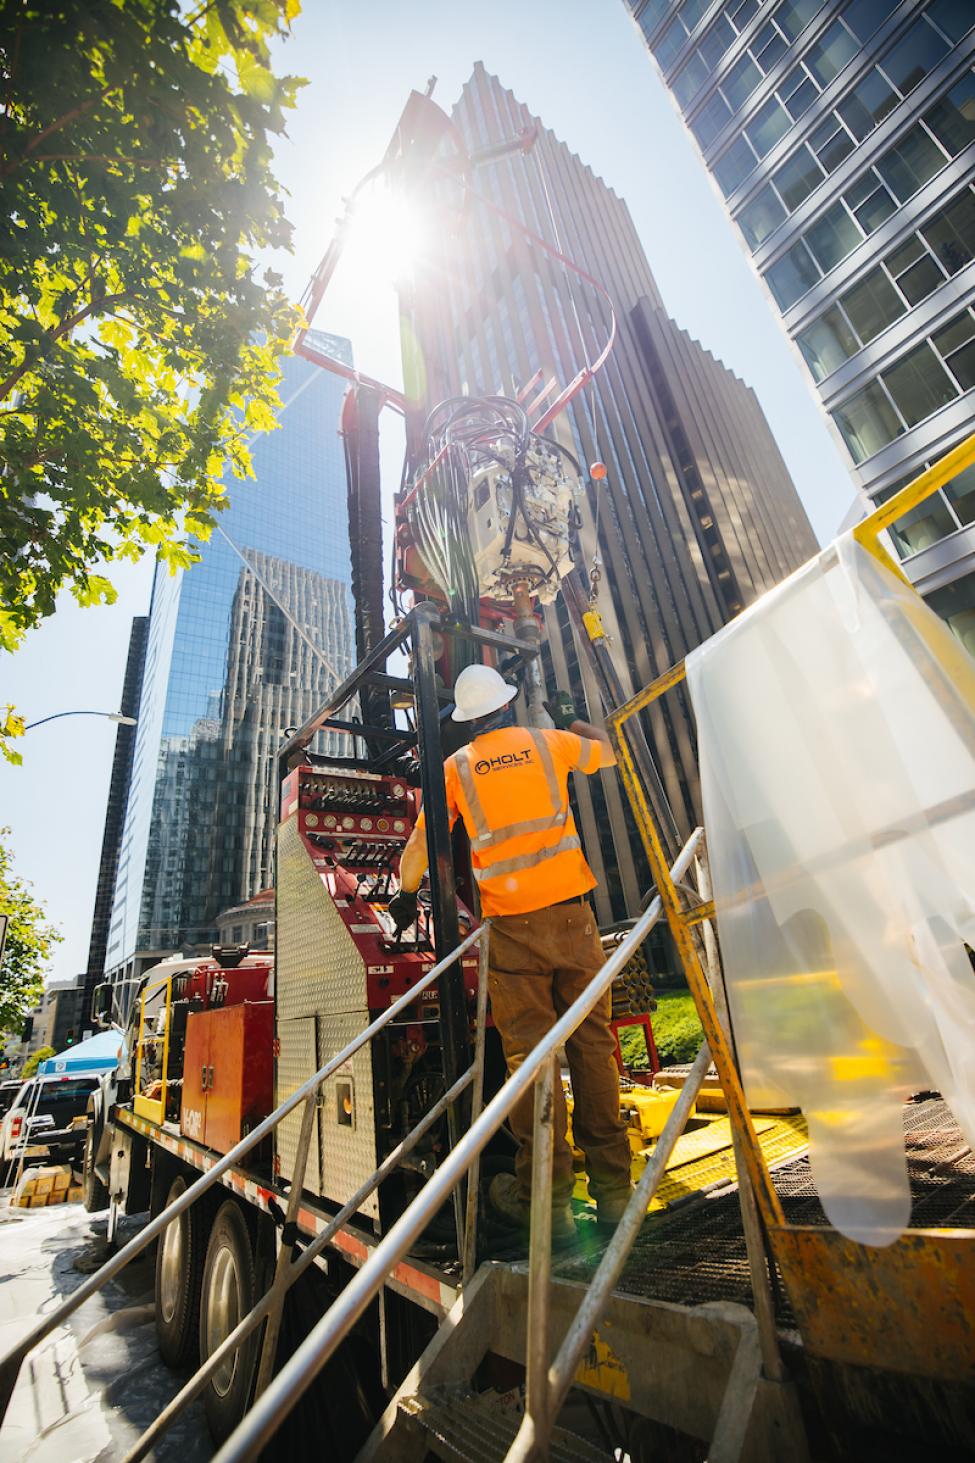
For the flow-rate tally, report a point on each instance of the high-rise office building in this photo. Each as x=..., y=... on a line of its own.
x=697, y=516
x=239, y=648
x=118, y=796
x=841, y=134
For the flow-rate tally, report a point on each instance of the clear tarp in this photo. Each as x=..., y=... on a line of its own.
x=836, y=722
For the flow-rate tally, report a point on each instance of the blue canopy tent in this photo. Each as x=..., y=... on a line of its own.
x=98, y=1054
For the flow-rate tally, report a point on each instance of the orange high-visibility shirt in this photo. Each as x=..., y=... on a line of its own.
x=511, y=787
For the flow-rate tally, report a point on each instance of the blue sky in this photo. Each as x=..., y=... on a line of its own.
x=581, y=66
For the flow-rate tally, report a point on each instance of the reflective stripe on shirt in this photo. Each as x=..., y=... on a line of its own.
x=488, y=837
x=526, y=860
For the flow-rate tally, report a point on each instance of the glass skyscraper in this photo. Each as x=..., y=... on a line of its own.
x=842, y=138
x=240, y=647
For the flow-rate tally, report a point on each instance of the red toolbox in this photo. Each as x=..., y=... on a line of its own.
x=228, y=1073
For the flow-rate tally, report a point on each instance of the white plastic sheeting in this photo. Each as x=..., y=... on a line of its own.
x=836, y=721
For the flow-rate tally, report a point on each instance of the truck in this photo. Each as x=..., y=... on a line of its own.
x=311, y=1140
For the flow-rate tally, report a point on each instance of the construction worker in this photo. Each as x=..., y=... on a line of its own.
x=510, y=786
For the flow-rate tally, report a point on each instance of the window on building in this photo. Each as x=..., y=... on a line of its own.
x=691, y=12
x=791, y=276
x=909, y=164
x=960, y=493
x=827, y=343
x=925, y=525
x=919, y=50
x=740, y=82
x=955, y=17
x=734, y=166
x=955, y=344
x=868, y=422
x=761, y=217
x=794, y=15
x=866, y=106
x=797, y=178
x=955, y=603
x=667, y=46
x=827, y=56
x=769, y=123
x=741, y=14
x=913, y=270
x=797, y=93
x=832, y=237
x=831, y=143
x=952, y=119
x=919, y=384
x=689, y=79
x=870, y=201
x=710, y=119
x=951, y=233
x=651, y=15
x=768, y=46
x=865, y=16
x=872, y=305
x=237, y=935
x=714, y=44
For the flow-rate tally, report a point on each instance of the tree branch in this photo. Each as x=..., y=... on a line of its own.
x=104, y=303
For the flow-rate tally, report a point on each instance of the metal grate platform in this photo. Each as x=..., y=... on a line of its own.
x=697, y=1253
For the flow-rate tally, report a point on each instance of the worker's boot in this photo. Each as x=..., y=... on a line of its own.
x=507, y=1201
x=610, y=1208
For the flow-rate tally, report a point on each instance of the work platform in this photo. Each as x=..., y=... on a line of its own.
x=693, y=1250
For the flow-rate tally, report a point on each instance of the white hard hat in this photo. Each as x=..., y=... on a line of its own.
x=478, y=691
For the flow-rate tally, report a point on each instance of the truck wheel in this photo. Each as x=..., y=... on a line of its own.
x=95, y=1192
x=229, y=1292
x=179, y=1261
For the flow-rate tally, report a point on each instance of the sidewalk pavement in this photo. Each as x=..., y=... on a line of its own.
x=89, y=1390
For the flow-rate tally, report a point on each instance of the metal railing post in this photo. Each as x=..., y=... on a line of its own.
x=755, y=1246
x=286, y=1249
x=532, y=1439
x=477, y=1103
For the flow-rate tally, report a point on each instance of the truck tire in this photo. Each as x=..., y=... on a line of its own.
x=95, y=1192
x=229, y=1291
x=179, y=1264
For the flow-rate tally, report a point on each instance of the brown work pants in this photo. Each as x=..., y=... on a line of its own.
x=539, y=964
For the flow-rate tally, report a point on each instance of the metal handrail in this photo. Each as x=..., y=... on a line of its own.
x=12, y=1360
x=260, y=1423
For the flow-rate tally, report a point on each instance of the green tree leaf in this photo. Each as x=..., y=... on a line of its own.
x=30, y=942
x=136, y=329
x=34, y=1060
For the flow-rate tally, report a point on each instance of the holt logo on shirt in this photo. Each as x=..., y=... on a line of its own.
x=506, y=760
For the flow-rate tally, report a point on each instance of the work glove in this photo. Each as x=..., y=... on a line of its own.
x=562, y=710
x=403, y=908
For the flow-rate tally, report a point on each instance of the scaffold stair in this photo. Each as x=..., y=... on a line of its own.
x=478, y=1427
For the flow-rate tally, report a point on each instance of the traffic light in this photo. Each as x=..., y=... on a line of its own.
x=70, y=1039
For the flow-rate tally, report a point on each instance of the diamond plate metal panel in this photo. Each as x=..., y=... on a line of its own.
x=348, y=1148
x=319, y=968
x=297, y=1061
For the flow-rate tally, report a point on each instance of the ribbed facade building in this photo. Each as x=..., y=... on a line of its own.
x=238, y=649
x=841, y=135
x=698, y=514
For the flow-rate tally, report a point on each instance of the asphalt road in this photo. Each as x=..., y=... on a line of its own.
x=96, y=1382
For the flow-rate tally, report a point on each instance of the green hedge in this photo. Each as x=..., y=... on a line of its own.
x=676, y=1030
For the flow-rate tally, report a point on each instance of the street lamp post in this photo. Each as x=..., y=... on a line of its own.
x=109, y=715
